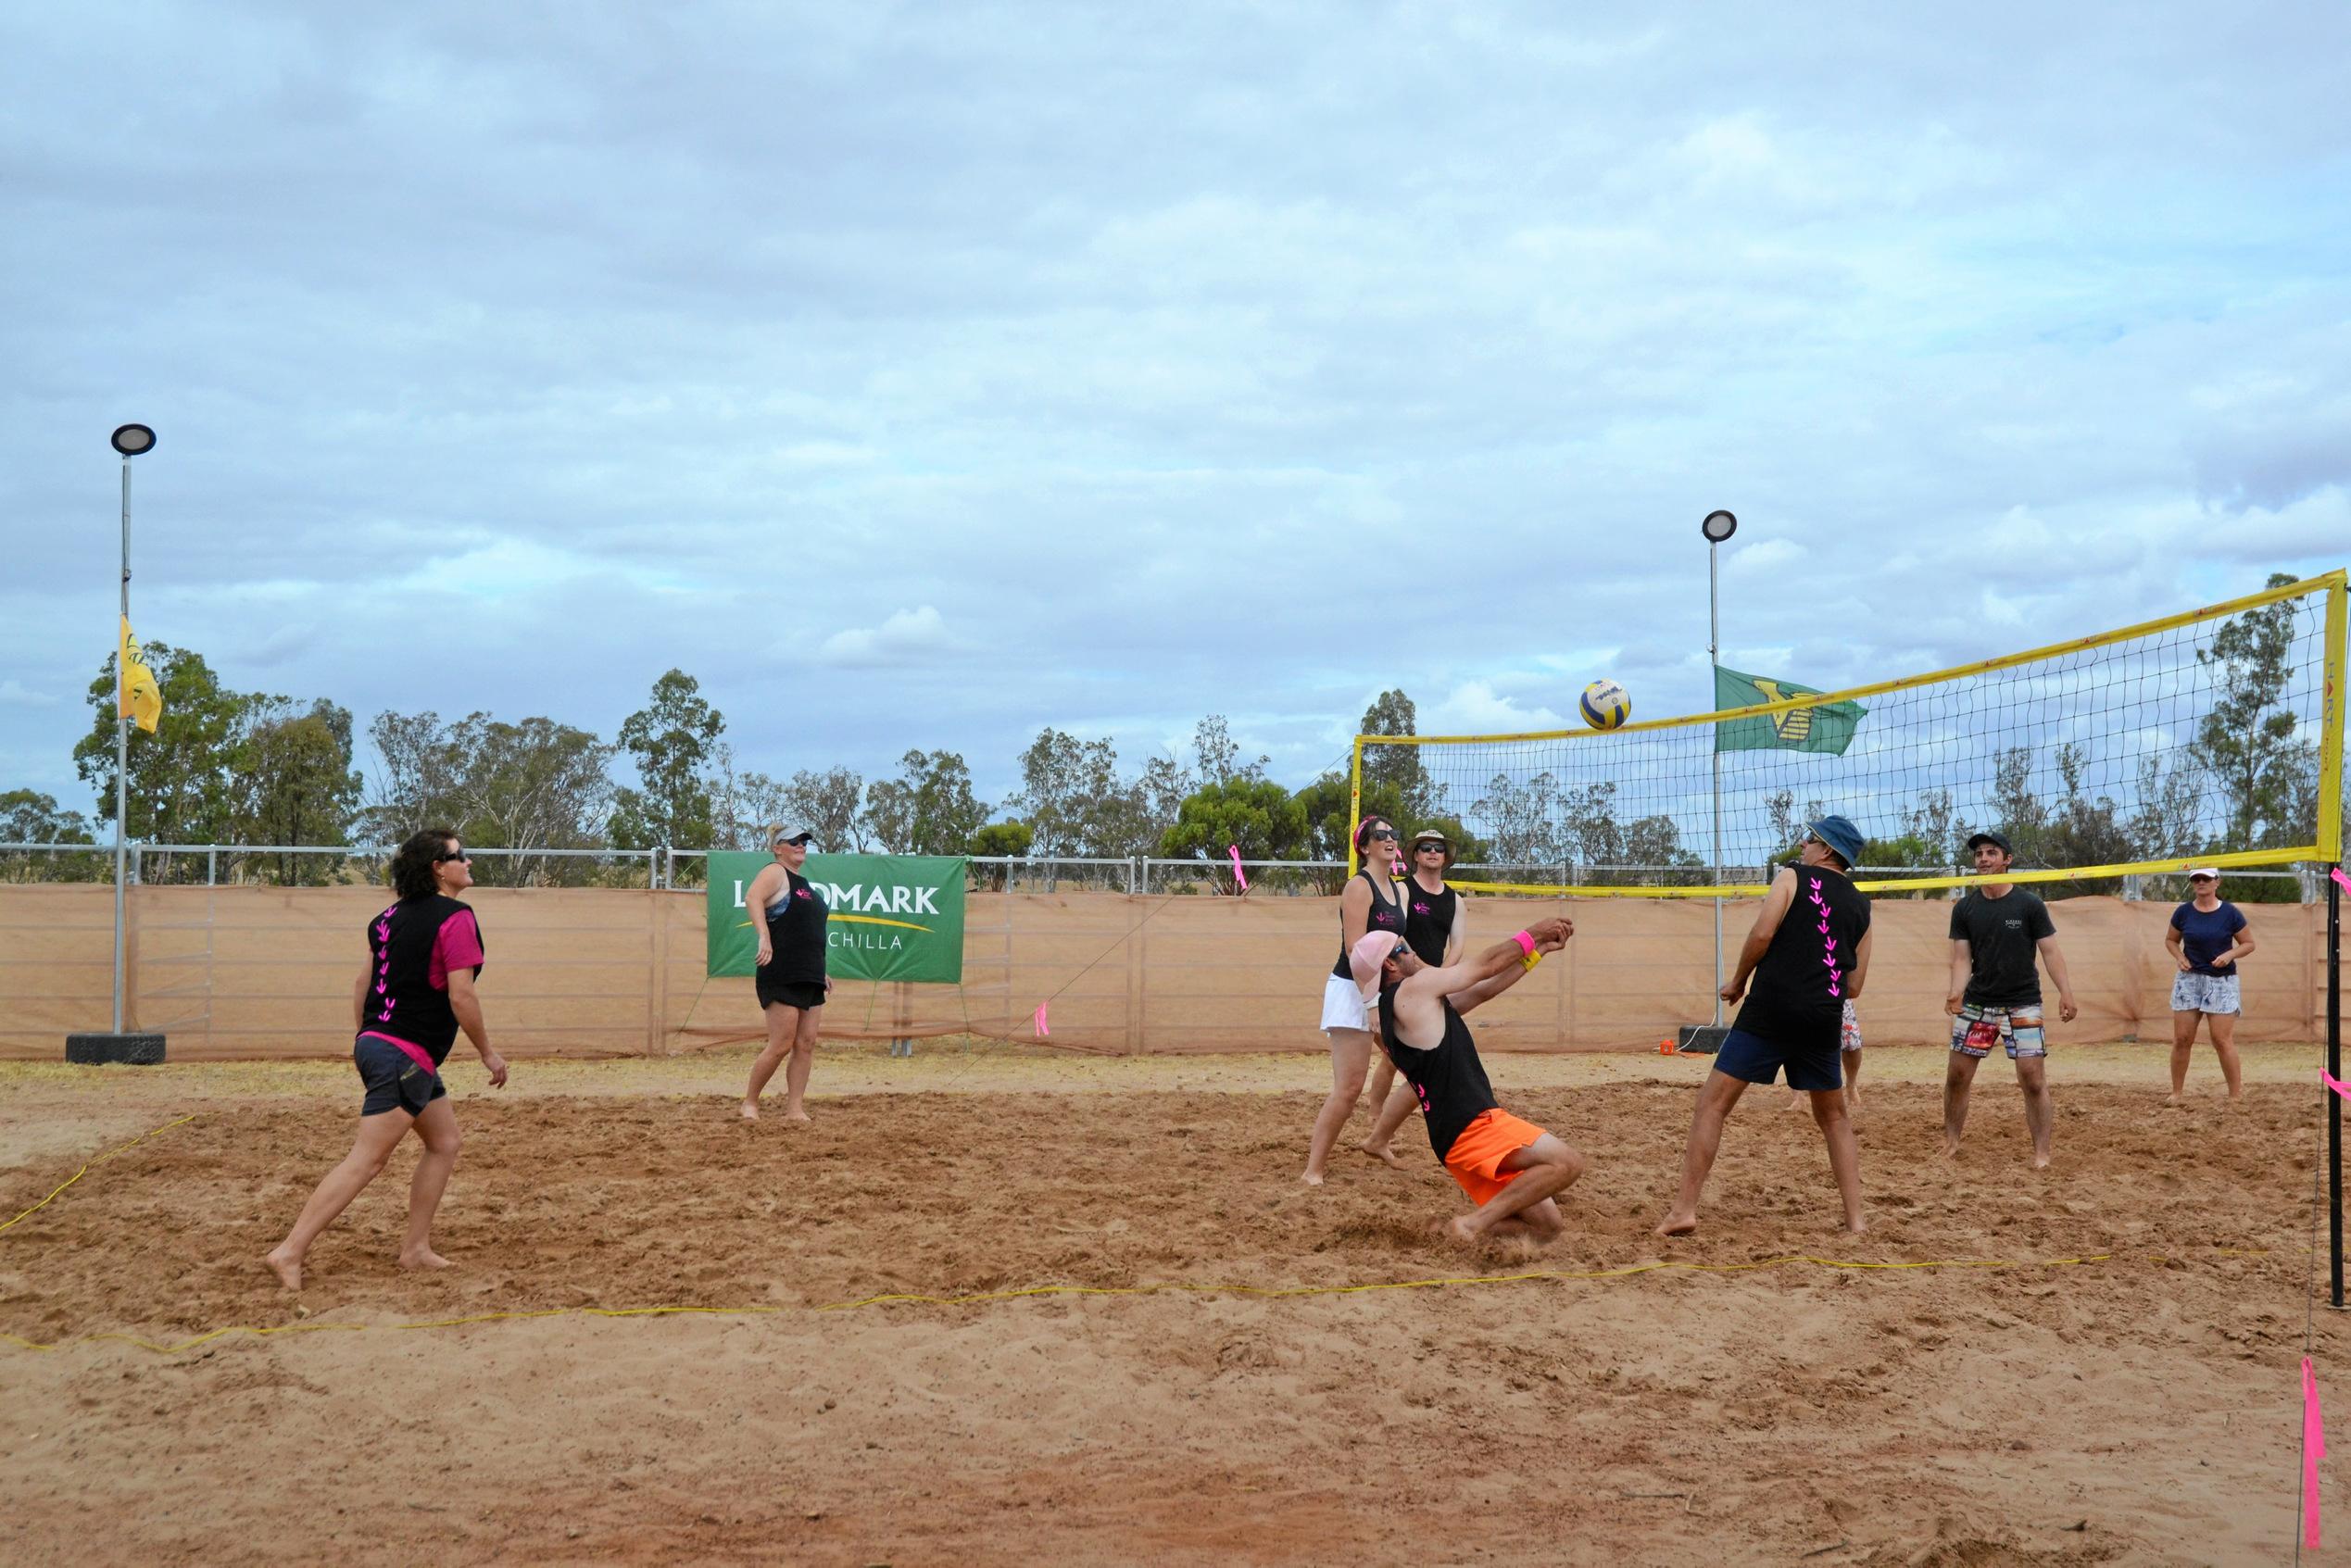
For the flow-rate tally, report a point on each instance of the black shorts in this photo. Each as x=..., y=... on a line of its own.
x=1813, y=1064
x=394, y=1080
x=801, y=994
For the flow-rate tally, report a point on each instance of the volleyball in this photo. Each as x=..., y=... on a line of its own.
x=1606, y=705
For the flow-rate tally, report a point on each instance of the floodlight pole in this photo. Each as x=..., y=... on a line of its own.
x=1717, y=527
x=1714, y=657
x=121, y=743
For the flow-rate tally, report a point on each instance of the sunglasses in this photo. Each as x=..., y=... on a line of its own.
x=1388, y=833
x=801, y=843
x=459, y=855
x=1429, y=848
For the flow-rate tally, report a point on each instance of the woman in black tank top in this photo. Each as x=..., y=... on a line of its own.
x=789, y=915
x=1373, y=900
x=1433, y=929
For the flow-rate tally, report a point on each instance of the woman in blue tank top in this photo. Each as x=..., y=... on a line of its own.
x=1373, y=900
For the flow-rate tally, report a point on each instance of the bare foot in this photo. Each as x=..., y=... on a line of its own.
x=1380, y=1152
x=750, y=1110
x=1676, y=1224
x=1459, y=1231
x=2175, y=1100
x=287, y=1267
x=2041, y=1162
x=425, y=1258
x=1312, y=1178
x=1856, y=1227
x=1798, y=1102
x=792, y=1113
x=1950, y=1148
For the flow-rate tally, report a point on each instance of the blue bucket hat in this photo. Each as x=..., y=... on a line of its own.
x=1839, y=835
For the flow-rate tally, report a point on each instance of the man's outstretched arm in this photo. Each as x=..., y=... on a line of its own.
x=1548, y=935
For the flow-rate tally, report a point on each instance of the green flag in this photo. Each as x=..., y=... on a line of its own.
x=1829, y=728
x=888, y=917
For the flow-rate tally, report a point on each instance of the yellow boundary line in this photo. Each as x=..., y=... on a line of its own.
x=1178, y=1287
x=100, y=1159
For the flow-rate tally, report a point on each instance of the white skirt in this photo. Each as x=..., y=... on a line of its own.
x=1343, y=1005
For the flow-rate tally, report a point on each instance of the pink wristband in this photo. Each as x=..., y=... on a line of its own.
x=1526, y=944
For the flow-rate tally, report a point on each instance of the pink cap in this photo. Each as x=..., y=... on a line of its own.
x=1365, y=959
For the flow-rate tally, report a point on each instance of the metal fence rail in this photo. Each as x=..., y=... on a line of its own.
x=664, y=867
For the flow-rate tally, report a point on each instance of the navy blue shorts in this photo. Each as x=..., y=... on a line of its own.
x=394, y=1080
x=1758, y=1060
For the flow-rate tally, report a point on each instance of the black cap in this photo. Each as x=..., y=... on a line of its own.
x=2005, y=847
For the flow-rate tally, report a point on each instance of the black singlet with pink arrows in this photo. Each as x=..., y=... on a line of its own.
x=411, y=948
x=1797, y=996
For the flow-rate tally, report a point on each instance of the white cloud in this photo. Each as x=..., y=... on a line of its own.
x=909, y=636
x=946, y=307
x=14, y=690
x=1475, y=708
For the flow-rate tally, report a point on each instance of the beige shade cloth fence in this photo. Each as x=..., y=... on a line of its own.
x=244, y=973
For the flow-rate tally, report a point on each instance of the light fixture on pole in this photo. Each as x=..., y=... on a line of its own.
x=129, y=441
x=1717, y=527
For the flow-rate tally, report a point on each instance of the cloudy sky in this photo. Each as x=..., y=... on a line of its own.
x=922, y=375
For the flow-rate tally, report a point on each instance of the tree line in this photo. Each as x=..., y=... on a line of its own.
x=261, y=770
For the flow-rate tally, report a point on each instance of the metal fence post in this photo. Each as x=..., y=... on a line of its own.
x=212, y=870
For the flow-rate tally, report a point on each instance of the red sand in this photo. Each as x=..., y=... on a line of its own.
x=2077, y=1413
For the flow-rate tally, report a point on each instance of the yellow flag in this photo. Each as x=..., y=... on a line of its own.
x=142, y=700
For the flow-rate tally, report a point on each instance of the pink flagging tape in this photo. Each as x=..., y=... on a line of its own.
x=2314, y=1449
x=2337, y=872
x=1241, y=876
x=1039, y=1020
x=2337, y=1085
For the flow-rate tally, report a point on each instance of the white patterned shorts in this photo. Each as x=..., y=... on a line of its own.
x=2204, y=993
x=1849, y=1031
x=1978, y=1029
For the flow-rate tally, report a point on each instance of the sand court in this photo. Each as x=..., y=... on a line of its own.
x=2104, y=1367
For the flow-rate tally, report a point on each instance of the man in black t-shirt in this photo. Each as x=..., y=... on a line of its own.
x=1999, y=936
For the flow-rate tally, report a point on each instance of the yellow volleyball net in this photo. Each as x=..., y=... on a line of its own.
x=2210, y=738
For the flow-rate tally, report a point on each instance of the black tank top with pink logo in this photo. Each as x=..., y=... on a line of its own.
x=1428, y=920
x=1385, y=916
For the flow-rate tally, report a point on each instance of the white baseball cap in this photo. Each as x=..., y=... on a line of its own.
x=2212, y=871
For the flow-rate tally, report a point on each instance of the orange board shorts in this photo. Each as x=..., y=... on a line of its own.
x=1474, y=1161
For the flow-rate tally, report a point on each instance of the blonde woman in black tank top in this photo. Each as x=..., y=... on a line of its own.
x=1373, y=899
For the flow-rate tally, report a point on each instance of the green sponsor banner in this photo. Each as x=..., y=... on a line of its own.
x=1829, y=728
x=889, y=917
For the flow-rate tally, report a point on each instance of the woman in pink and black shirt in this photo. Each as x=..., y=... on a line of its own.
x=408, y=1003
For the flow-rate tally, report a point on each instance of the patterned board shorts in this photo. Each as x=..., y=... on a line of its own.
x=1849, y=1029
x=2205, y=993
x=1978, y=1029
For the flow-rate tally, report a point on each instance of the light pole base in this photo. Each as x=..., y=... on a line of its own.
x=1702, y=1039
x=135, y=1050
